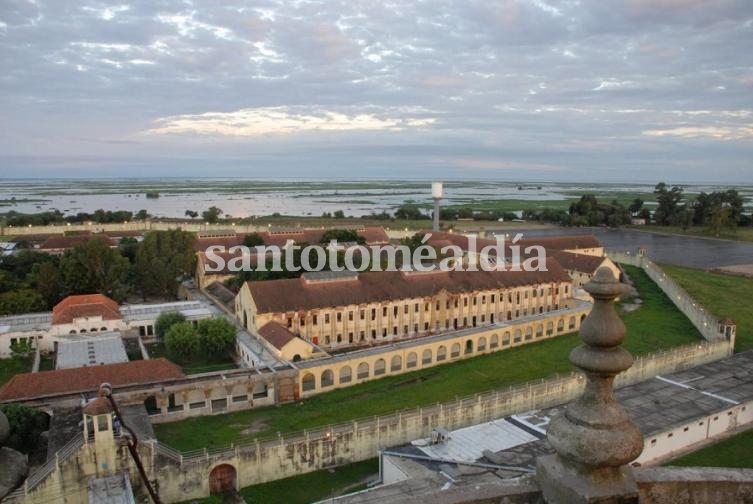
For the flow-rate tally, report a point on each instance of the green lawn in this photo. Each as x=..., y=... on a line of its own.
x=736, y=451
x=740, y=234
x=309, y=487
x=13, y=366
x=657, y=324
x=722, y=294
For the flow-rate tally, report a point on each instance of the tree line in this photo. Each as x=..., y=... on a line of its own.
x=33, y=281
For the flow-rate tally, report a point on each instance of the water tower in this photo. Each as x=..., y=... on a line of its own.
x=436, y=193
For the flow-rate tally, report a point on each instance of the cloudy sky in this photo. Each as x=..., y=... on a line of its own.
x=631, y=90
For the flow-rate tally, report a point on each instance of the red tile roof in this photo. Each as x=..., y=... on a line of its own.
x=206, y=262
x=85, y=305
x=274, y=296
x=572, y=261
x=88, y=379
x=276, y=334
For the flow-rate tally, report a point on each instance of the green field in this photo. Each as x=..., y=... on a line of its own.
x=309, y=487
x=739, y=234
x=736, y=451
x=723, y=295
x=656, y=325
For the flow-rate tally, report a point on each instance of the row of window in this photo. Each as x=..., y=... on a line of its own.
x=351, y=314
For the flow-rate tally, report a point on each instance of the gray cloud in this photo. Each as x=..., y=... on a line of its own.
x=589, y=90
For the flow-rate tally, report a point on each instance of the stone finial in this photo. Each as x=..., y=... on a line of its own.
x=595, y=439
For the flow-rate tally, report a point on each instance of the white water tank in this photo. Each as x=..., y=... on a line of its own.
x=436, y=190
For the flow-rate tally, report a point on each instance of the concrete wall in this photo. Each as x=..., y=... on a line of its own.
x=148, y=225
x=185, y=475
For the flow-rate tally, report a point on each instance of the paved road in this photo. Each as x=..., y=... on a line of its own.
x=679, y=250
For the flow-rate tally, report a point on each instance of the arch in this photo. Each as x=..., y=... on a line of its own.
x=539, y=330
x=468, y=346
x=549, y=328
x=441, y=353
x=396, y=364
x=455, y=350
x=363, y=371
x=93, y=329
x=412, y=360
x=150, y=403
x=571, y=323
x=328, y=378
x=379, y=367
x=222, y=479
x=308, y=382
x=506, y=338
x=582, y=318
x=529, y=333
x=102, y=328
x=346, y=374
x=481, y=345
x=297, y=358
x=494, y=341
x=518, y=336
x=560, y=325
x=426, y=356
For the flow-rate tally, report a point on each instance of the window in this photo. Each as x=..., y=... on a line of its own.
x=373, y=314
x=339, y=317
x=405, y=309
x=465, y=301
x=315, y=319
x=384, y=311
x=326, y=318
x=416, y=308
x=362, y=314
x=350, y=315
x=395, y=311
x=350, y=337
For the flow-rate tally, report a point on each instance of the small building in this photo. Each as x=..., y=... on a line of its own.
x=284, y=343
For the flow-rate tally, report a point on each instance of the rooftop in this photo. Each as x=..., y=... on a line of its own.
x=277, y=335
x=106, y=348
x=273, y=296
x=87, y=379
x=85, y=305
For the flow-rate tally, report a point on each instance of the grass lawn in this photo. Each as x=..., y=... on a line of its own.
x=657, y=324
x=739, y=234
x=724, y=295
x=13, y=366
x=736, y=451
x=309, y=487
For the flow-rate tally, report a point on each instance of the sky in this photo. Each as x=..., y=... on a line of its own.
x=589, y=90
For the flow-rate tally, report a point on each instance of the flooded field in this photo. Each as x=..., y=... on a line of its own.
x=250, y=197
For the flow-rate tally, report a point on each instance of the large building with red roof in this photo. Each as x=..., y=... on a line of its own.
x=346, y=309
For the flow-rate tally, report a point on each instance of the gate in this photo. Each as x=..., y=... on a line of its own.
x=222, y=479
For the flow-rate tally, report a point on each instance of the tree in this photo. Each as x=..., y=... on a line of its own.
x=409, y=211
x=339, y=214
x=212, y=215
x=165, y=321
x=216, y=337
x=21, y=301
x=342, y=236
x=48, y=283
x=253, y=240
x=142, y=215
x=181, y=342
x=636, y=206
x=21, y=348
x=668, y=200
x=26, y=425
x=164, y=259
x=191, y=214
x=92, y=266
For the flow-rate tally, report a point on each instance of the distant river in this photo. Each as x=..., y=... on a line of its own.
x=679, y=250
